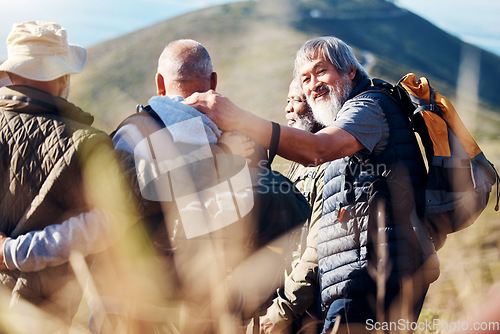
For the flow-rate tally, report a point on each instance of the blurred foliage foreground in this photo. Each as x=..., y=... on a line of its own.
x=131, y=279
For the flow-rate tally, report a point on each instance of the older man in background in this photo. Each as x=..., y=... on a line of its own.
x=295, y=302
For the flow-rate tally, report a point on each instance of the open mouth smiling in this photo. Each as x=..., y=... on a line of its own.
x=320, y=94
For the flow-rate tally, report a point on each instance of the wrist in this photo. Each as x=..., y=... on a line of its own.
x=256, y=128
x=241, y=120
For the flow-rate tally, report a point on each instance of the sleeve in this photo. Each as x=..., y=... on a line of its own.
x=86, y=233
x=317, y=198
x=300, y=289
x=365, y=120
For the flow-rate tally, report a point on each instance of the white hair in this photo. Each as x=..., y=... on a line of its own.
x=334, y=50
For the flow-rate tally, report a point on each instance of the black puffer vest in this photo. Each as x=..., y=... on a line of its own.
x=367, y=199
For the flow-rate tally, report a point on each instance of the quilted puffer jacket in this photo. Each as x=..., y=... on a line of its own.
x=43, y=141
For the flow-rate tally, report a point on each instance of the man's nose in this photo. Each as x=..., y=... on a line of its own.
x=317, y=85
x=289, y=107
x=314, y=84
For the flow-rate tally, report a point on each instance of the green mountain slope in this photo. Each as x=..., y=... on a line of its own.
x=253, y=46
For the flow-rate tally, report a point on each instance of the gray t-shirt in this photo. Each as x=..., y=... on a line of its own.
x=364, y=119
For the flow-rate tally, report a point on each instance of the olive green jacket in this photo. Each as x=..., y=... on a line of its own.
x=300, y=287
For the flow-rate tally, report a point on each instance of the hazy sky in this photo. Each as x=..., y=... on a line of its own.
x=89, y=22
x=92, y=21
x=475, y=21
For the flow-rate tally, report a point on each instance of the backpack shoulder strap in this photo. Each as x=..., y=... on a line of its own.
x=138, y=117
x=380, y=86
x=408, y=101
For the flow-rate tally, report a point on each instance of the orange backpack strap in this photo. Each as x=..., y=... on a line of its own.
x=439, y=114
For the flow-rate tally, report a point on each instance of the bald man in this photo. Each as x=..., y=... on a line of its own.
x=184, y=67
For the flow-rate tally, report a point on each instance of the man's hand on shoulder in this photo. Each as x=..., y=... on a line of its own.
x=218, y=108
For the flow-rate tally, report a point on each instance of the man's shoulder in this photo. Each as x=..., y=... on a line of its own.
x=87, y=139
x=369, y=96
x=134, y=129
x=364, y=117
x=375, y=96
x=356, y=108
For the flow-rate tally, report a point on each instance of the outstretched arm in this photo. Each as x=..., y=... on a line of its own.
x=301, y=146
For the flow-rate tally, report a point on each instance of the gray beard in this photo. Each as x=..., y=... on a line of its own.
x=304, y=122
x=325, y=111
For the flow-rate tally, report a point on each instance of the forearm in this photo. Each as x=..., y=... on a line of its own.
x=87, y=234
x=304, y=147
x=256, y=128
x=296, y=145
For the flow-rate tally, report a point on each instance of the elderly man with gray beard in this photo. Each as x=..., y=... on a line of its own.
x=369, y=258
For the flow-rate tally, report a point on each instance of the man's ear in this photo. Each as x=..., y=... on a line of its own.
x=160, y=85
x=213, y=81
x=352, y=74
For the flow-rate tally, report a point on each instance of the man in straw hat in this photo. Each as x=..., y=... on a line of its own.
x=46, y=142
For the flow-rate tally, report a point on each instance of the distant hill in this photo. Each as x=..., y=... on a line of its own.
x=253, y=45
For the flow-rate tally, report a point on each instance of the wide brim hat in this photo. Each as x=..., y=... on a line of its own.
x=39, y=50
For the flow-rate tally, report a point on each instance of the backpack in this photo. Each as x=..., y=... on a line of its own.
x=267, y=202
x=459, y=177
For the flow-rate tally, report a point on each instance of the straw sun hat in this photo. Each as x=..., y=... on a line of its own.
x=39, y=51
